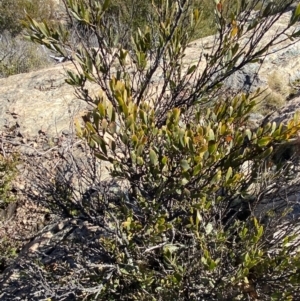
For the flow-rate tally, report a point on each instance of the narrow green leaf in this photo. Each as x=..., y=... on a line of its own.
x=212, y=265
x=191, y=70
x=295, y=15
x=153, y=157
x=264, y=141
x=211, y=135
x=143, y=117
x=212, y=147
x=198, y=218
x=111, y=113
x=105, y=5
x=100, y=142
x=124, y=139
x=266, y=153
x=197, y=169
x=113, y=145
x=228, y=174
x=101, y=109
x=90, y=127
x=101, y=157
x=78, y=128
x=267, y=11
x=248, y=134
x=140, y=150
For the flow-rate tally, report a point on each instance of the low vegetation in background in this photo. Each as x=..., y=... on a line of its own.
x=189, y=225
x=276, y=93
x=12, y=13
x=20, y=56
x=16, y=54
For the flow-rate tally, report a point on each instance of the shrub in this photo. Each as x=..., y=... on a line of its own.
x=16, y=54
x=190, y=226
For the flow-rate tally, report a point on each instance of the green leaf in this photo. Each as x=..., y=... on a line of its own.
x=143, y=117
x=295, y=15
x=88, y=63
x=211, y=135
x=217, y=177
x=100, y=142
x=101, y=156
x=247, y=259
x=228, y=174
x=90, y=128
x=164, y=160
x=134, y=140
x=184, y=165
x=248, y=133
x=153, y=157
x=184, y=181
x=268, y=10
x=113, y=145
x=197, y=169
x=259, y=234
x=212, y=147
x=140, y=161
x=191, y=70
x=140, y=150
x=266, y=153
x=176, y=114
x=101, y=109
x=243, y=233
x=124, y=139
x=212, y=265
x=129, y=121
x=105, y=5
x=111, y=113
x=262, y=142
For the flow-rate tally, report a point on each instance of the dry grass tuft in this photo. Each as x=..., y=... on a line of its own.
x=269, y=101
x=280, y=84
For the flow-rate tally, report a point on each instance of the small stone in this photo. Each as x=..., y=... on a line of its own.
x=20, y=167
x=33, y=247
x=27, y=150
x=65, y=132
x=19, y=186
x=46, y=146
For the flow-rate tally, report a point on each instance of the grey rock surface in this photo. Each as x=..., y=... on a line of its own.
x=287, y=112
x=39, y=101
x=246, y=79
